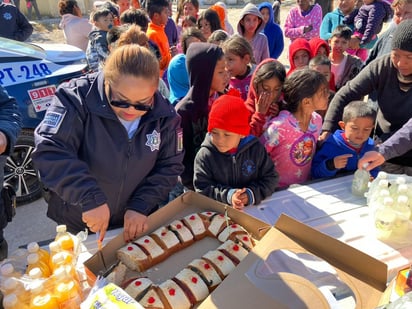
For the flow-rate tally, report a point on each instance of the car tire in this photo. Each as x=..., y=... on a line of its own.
x=20, y=172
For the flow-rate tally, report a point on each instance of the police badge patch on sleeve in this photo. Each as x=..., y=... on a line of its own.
x=53, y=119
x=179, y=140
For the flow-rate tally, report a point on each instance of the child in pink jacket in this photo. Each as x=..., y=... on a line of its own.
x=303, y=21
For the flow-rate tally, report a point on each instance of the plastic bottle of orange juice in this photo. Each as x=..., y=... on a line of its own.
x=64, y=238
x=14, y=286
x=44, y=255
x=42, y=298
x=33, y=261
x=11, y=301
x=66, y=290
x=54, y=248
x=70, y=270
x=62, y=258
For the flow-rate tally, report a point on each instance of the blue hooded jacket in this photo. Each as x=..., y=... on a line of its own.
x=178, y=78
x=335, y=146
x=273, y=32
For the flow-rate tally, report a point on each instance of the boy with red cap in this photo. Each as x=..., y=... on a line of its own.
x=232, y=166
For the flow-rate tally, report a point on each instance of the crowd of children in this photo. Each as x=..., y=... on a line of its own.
x=250, y=124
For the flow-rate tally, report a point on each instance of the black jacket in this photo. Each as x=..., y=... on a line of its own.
x=201, y=59
x=10, y=124
x=251, y=167
x=13, y=24
x=86, y=159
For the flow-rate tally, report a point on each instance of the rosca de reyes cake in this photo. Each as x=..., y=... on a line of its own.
x=201, y=276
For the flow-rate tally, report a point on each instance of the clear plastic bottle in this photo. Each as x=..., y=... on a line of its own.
x=377, y=200
x=403, y=212
x=41, y=297
x=44, y=255
x=67, y=290
x=384, y=217
x=33, y=261
x=360, y=181
x=375, y=190
x=393, y=188
x=403, y=190
x=19, y=259
x=54, y=248
x=64, y=239
x=374, y=184
x=61, y=259
x=15, y=286
x=11, y=301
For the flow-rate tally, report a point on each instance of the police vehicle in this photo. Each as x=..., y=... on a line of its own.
x=31, y=73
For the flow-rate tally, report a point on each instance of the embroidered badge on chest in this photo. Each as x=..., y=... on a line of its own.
x=153, y=140
x=7, y=16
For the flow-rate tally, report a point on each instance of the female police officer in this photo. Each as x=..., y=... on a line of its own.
x=109, y=147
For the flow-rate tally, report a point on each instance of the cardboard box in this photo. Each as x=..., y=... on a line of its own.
x=187, y=203
x=364, y=275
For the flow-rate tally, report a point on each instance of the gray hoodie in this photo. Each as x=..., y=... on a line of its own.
x=259, y=42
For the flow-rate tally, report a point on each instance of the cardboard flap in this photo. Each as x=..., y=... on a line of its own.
x=337, y=253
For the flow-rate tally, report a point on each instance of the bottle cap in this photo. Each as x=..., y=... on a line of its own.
x=10, y=300
x=382, y=175
x=383, y=183
x=54, y=246
x=402, y=199
x=58, y=258
x=387, y=201
x=365, y=165
x=384, y=193
x=400, y=180
x=35, y=273
x=10, y=284
x=7, y=269
x=33, y=247
x=61, y=228
x=403, y=188
x=37, y=286
x=60, y=272
x=32, y=258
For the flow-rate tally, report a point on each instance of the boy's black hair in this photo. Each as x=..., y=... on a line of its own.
x=100, y=12
x=319, y=60
x=156, y=6
x=112, y=7
x=358, y=109
x=135, y=17
x=342, y=31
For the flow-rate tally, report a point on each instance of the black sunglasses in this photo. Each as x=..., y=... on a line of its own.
x=123, y=104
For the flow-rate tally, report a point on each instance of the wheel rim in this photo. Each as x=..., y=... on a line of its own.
x=19, y=171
